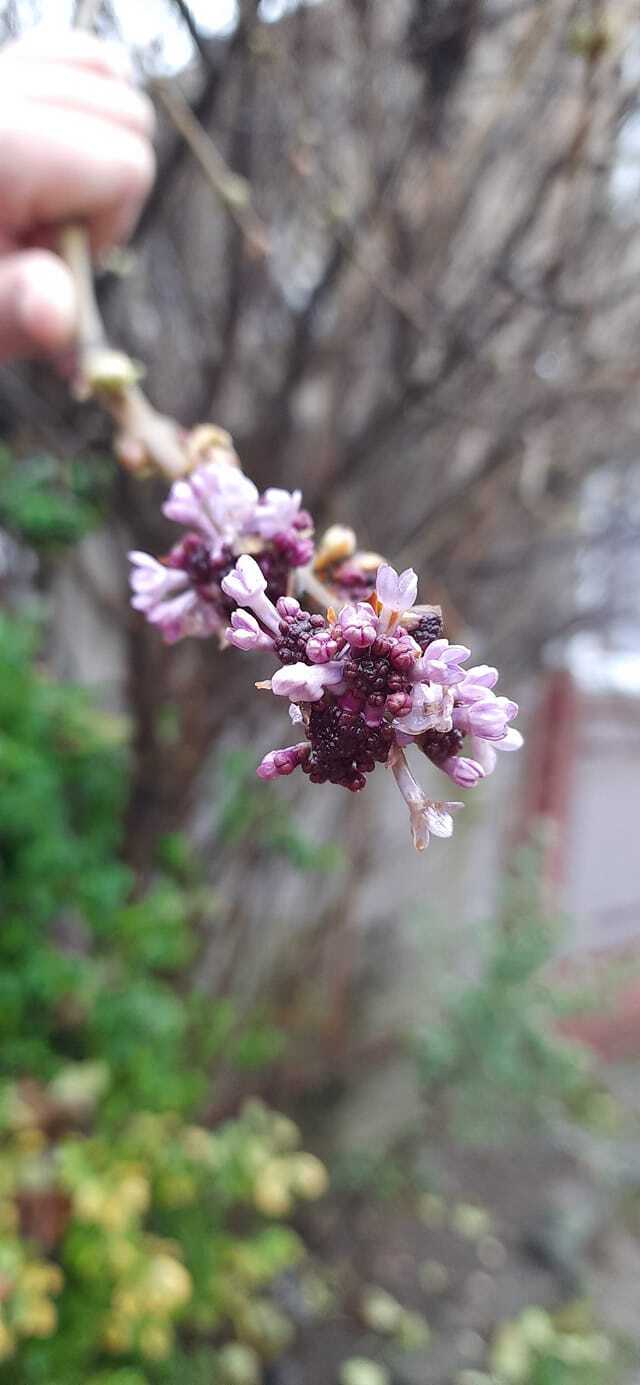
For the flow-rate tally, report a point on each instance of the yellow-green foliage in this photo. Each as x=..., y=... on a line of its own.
x=135, y=1244
x=538, y=1349
x=110, y=1244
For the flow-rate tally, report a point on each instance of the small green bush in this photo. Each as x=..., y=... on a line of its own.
x=136, y=1246
x=495, y=1052
x=112, y=1243
x=50, y=503
x=539, y=1349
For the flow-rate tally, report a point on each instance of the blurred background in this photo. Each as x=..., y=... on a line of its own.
x=393, y=248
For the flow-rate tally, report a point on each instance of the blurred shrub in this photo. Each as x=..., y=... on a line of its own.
x=112, y=1242
x=495, y=1054
x=84, y=970
x=133, y=1241
x=537, y=1349
x=248, y=814
x=50, y=502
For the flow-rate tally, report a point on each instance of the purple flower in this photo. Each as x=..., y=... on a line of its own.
x=397, y=590
x=441, y=663
x=465, y=773
x=245, y=582
x=247, y=585
x=475, y=683
x=363, y=690
x=486, y=718
x=354, y=579
x=276, y=513
x=227, y=519
x=358, y=624
x=485, y=752
x=151, y=581
x=322, y=647
x=217, y=500
x=431, y=710
x=306, y=682
x=245, y=633
x=287, y=606
x=359, y=684
x=283, y=762
x=427, y=817
x=404, y=652
x=396, y=593
x=167, y=599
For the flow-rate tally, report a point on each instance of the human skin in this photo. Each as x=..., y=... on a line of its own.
x=75, y=145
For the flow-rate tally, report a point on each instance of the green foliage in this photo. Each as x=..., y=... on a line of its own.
x=367, y=1172
x=142, y=1222
x=128, y=1231
x=248, y=812
x=496, y=1053
x=537, y=1349
x=63, y=793
x=50, y=502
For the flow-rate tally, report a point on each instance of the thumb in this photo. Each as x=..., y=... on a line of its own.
x=37, y=304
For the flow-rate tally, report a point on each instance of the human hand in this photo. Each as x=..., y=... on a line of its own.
x=75, y=145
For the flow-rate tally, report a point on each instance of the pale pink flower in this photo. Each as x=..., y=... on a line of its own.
x=217, y=500
x=358, y=624
x=167, y=599
x=396, y=592
x=427, y=816
x=441, y=663
x=485, y=752
x=431, y=710
x=282, y=762
x=276, y=512
x=466, y=773
x=247, y=585
x=475, y=683
x=306, y=682
x=245, y=633
x=487, y=718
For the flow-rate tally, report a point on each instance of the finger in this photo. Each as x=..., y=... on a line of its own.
x=67, y=168
x=76, y=48
x=37, y=305
x=81, y=91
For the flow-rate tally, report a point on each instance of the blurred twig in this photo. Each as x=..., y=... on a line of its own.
x=231, y=188
x=147, y=439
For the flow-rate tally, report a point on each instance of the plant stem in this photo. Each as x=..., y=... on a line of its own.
x=147, y=439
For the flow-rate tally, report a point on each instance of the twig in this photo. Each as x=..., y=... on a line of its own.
x=233, y=190
x=397, y=296
x=147, y=439
x=309, y=583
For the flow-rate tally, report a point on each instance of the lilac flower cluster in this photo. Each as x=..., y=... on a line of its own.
x=347, y=572
x=368, y=682
x=224, y=516
x=365, y=681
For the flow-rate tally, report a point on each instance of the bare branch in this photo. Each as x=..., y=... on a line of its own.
x=231, y=188
x=147, y=439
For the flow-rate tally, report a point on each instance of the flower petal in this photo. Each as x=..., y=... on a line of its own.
x=306, y=682
x=439, y=819
x=387, y=586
